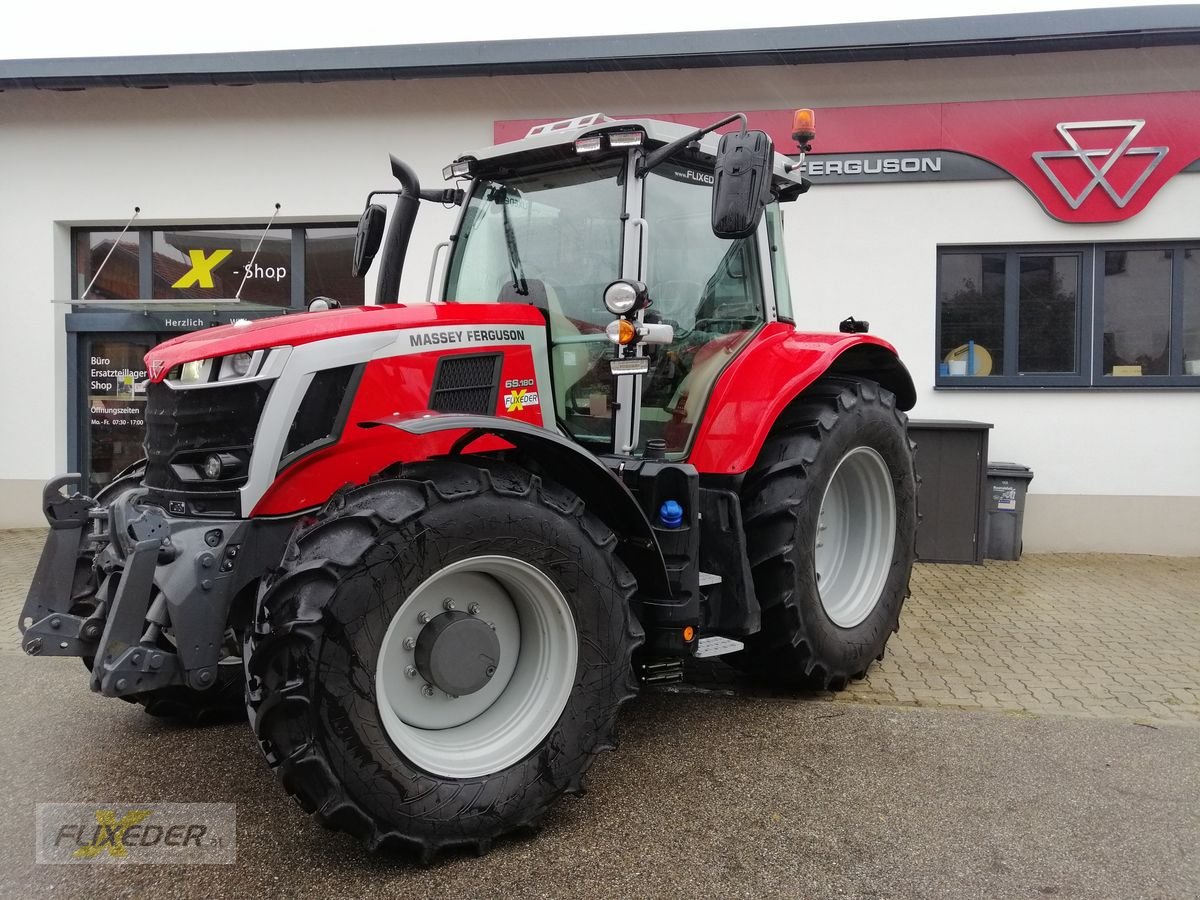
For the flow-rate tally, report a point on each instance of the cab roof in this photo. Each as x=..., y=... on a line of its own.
x=556, y=140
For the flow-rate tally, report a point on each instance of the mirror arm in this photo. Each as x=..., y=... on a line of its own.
x=662, y=154
x=454, y=196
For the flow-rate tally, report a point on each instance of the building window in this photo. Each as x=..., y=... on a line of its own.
x=118, y=279
x=1136, y=328
x=292, y=265
x=1069, y=316
x=327, y=262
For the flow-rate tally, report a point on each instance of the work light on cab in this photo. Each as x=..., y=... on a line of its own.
x=622, y=297
x=613, y=140
x=617, y=139
x=459, y=169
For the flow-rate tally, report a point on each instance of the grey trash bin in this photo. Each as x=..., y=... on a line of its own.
x=1008, y=484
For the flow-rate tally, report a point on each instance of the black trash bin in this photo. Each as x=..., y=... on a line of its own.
x=1008, y=484
x=952, y=465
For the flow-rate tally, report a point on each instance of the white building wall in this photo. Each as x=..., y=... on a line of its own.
x=1113, y=470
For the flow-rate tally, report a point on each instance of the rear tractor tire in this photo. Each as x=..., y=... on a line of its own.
x=830, y=513
x=442, y=656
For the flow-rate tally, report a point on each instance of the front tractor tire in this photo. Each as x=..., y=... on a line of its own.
x=831, y=517
x=442, y=655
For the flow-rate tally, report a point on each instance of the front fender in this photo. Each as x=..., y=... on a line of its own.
x=570, y=465
x=375, y=445
x=772, y=371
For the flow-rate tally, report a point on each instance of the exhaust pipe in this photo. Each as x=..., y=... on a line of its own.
x=400, y=229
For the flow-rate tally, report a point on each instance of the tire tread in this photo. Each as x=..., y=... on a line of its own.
x=291, y=608
x=782, y=652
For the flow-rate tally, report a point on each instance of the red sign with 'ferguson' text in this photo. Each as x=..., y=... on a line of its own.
x=1086, y=159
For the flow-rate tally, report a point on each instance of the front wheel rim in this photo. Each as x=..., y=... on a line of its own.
x=487, y=730
x=856, y=537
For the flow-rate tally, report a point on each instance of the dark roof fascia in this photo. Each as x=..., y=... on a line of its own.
x=1073, y=30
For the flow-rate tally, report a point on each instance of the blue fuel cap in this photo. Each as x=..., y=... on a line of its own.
x=670, y=514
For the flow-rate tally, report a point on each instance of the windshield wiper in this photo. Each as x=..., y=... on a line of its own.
x=510, y=239
x=662, y=154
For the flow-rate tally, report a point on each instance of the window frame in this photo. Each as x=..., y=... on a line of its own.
x=1089, y=337
x=144, y=236
x=777, y=252
x=1175, y=354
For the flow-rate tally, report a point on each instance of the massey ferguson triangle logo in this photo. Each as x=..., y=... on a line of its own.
x=156, y=367
x=1107, y=158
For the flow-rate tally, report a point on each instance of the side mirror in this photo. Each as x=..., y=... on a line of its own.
x=742, y=188
x=368, y=238
x=323, y=304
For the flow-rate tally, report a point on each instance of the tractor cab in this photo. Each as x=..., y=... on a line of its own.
x=646, y=248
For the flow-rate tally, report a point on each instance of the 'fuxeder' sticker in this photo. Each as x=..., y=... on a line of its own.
x=515, y=401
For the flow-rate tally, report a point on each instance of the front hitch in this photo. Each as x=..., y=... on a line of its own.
x=46, y=625
x=111, y=633
x=156, y=602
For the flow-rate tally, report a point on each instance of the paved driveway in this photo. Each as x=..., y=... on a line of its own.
x=1063, y=761
x=708, y=796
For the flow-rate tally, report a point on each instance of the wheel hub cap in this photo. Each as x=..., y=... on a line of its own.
x=457, y=653
x=436, y=698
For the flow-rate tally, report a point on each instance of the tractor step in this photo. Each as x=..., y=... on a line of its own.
x=717, y=646
x=660, y=671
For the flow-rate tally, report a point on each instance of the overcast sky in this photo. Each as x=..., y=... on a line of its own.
x=53, y=28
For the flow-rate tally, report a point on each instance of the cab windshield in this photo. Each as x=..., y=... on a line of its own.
x=553, y=240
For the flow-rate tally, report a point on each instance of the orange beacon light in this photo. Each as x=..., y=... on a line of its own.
x=804, y=128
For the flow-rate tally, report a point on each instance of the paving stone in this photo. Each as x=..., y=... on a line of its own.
x=1091, y=634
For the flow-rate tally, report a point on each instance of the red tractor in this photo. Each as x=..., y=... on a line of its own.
x=433, y=548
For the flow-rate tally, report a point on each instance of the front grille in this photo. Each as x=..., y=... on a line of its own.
x=183, y=427
x=466, y=384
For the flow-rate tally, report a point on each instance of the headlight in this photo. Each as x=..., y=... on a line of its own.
x=221, y=465
x=235, y=366
x=193, y=372
x=212, y=467
x=622, y=296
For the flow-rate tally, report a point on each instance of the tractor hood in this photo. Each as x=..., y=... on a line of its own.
x=305, y=328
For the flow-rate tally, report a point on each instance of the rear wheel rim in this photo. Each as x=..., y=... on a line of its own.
x=856, y=537
x=490, y=729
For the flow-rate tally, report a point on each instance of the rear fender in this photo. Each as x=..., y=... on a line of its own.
x=769, y=374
